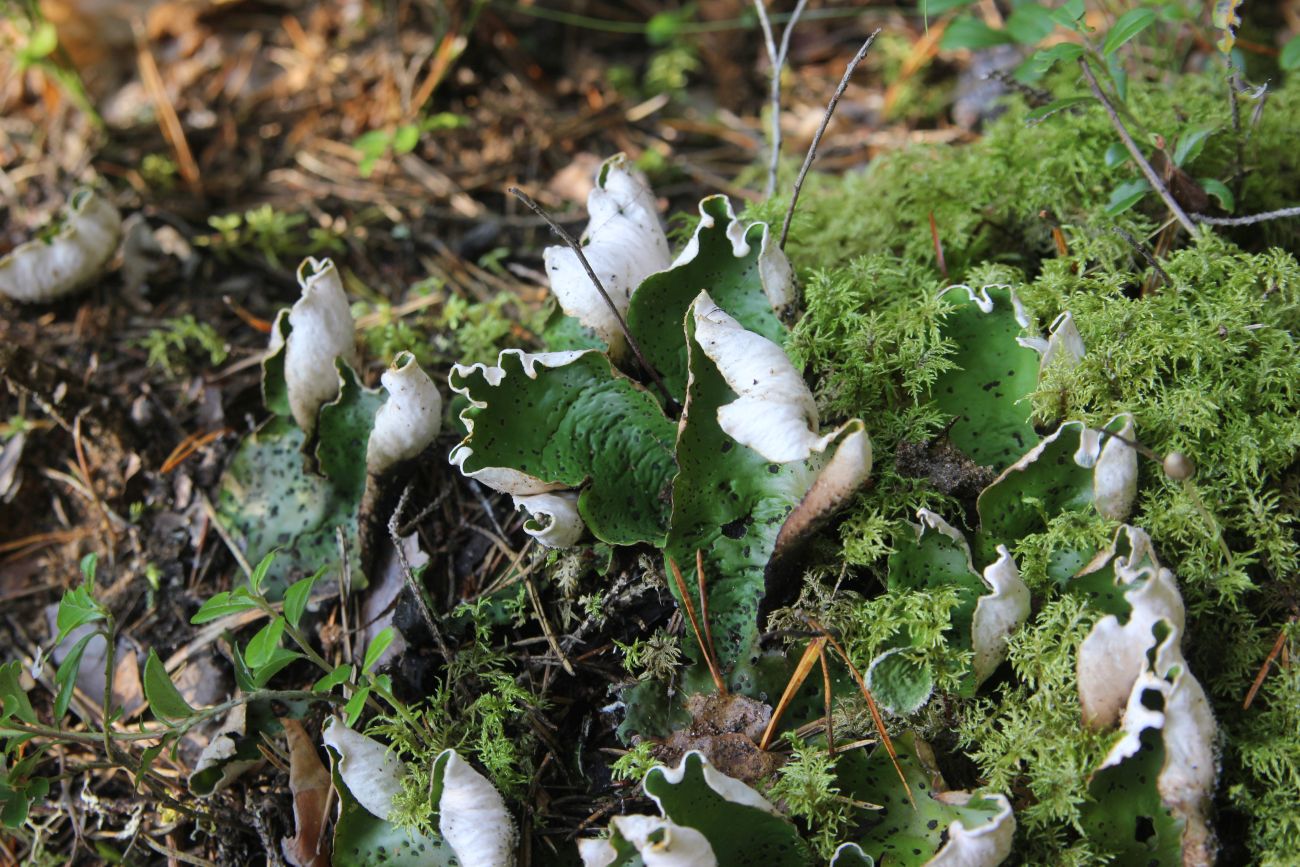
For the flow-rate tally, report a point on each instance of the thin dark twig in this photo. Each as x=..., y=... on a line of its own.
x=573, y=245
x=1234, y=103
x=1151, y=176
x=1249, y=219
x=777, y=57
x=426, y=613
x=478, y=487
x=1234, y=87
x=774, y=97
x=1145, y=253
x=1273, y=654
x=826, y=691
x=406, y=528
x=705, y=650
x=784, y=53
x=345, y=590
x=704, y=598
x=817, y=137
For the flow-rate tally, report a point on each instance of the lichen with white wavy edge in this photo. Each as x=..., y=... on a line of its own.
x=472, y=815
x=658, y=841
x=775, y=273
x=371, y=771
x=997, y=613
x=504, y=479
x=1119, y=663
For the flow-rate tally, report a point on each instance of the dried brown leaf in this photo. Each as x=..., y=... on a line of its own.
x=309, y=782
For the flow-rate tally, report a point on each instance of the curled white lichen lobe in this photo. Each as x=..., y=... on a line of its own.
x=623, y=242
x=554, y=521
x=43, y=270
x=472, y=815
x=321, y=331
x=408, y=420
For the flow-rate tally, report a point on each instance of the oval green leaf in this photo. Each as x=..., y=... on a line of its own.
x=295, y=598
x=264, y=644
x=1129, y=25
x=1042, y=61
x=165, y=700
x=222, y=605
x=1290, y=57
x=1220, y=191
x=1030, y=24
x=377, y=647
x=66, y=676
x=1126, y=196
x=970, y=32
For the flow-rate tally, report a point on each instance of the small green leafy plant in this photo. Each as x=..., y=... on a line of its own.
x=1104, y=56
x=275, y=234
x=169, y=346
x=378, y=143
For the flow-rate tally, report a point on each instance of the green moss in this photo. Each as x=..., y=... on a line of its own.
x=1082, y=532
x=1208, y=366
x=918, y=619
x=870, y=338
x=1210, y=369
x=1262, y=765
x=806, y=787
x=987, y=197
x=1028, y=739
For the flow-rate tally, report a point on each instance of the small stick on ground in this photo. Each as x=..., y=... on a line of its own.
x=1234, y=104
x=345, y=590
x=1268, y=663
x=777, y=57
x=695, y=624
x=811, y=654
x=168, y=121
x=871, y=706
x=547, y=630
x=821, y=129
x=704, y=598
x=1058, y=237
x=1249, y=219
x=1152, y=178
x=826, y=691
x=1145, y=254
x=573, y=245
x=105, y=524
x=426, y=614
x=234, y=550
x=774, y=98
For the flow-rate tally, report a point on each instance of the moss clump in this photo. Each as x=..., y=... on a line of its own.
x=988, y=198
x=1208, y=366
x=1027, y=738
x=870, y=334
